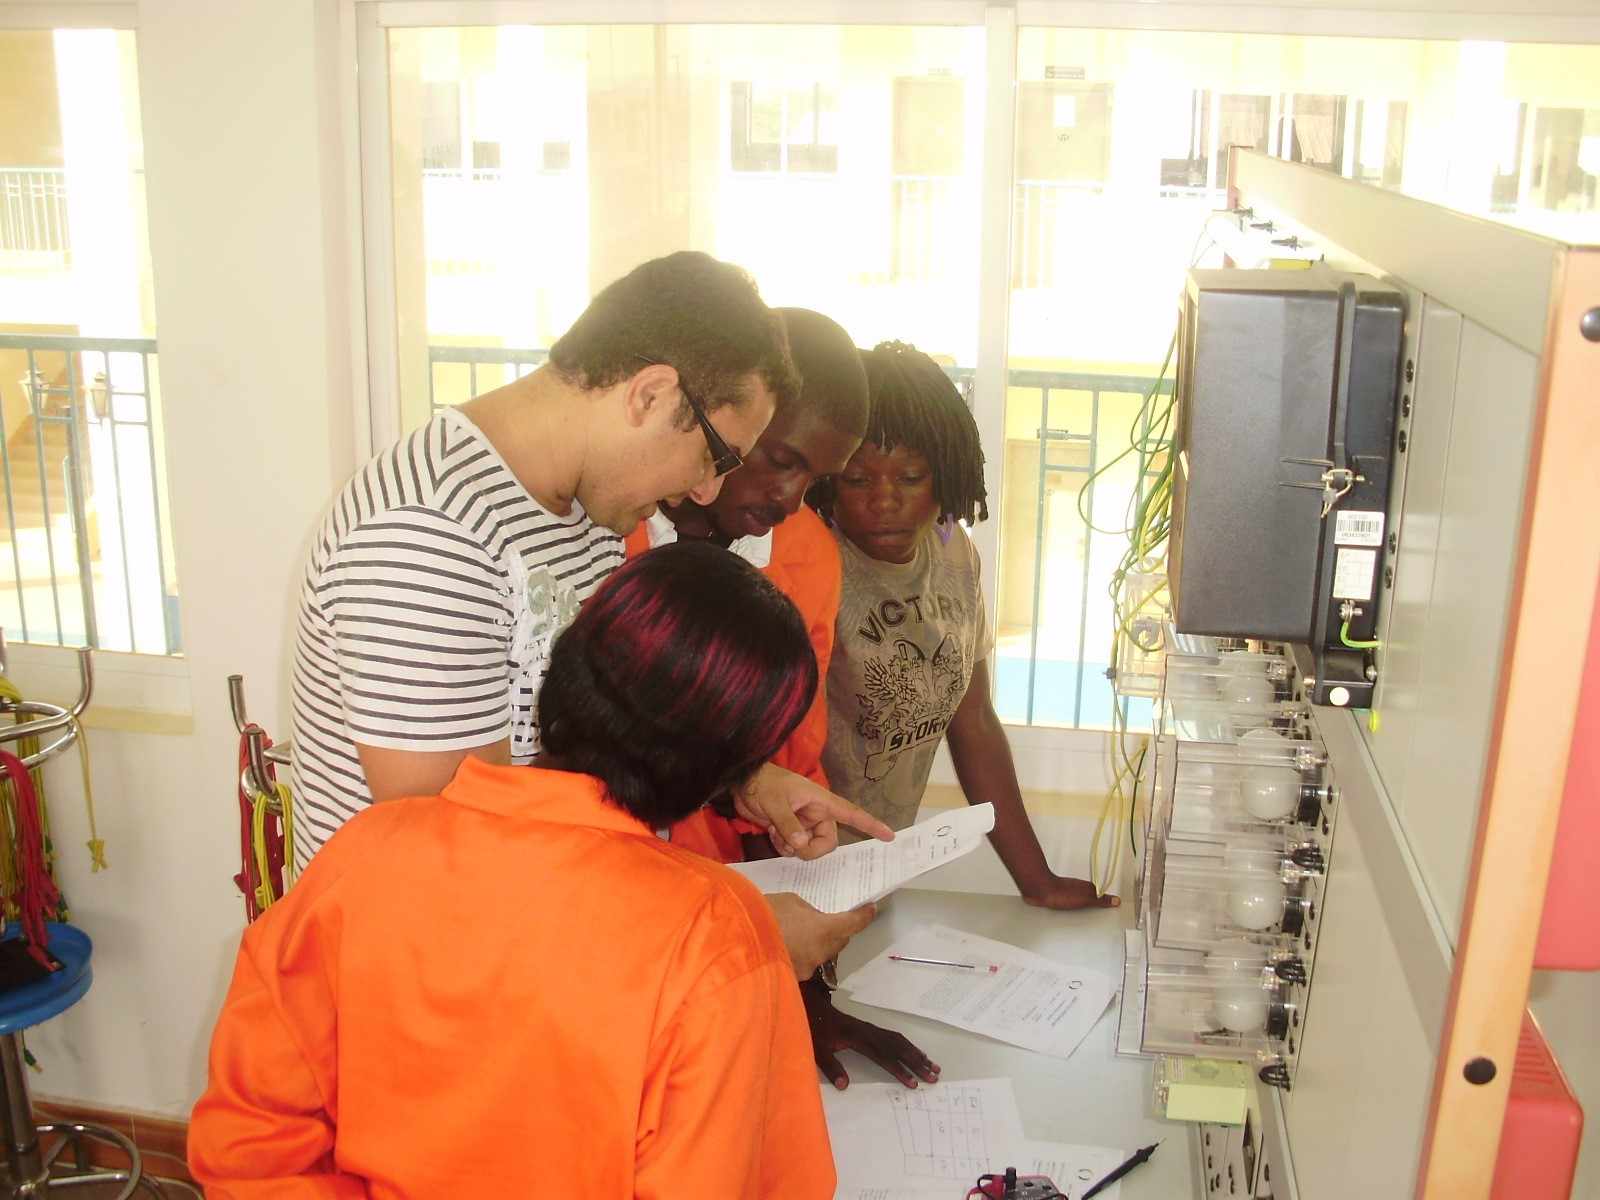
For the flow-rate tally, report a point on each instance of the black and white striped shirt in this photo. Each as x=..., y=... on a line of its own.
x=431, y=596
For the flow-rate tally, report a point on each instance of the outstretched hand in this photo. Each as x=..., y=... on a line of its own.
x=801, y=817
x=833, y=1031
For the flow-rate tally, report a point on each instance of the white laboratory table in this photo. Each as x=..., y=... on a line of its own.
x=1092, y=1098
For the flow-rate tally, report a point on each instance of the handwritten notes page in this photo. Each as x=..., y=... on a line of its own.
x=1007, y=993
x=892, y=1139
x=866, y=871
x=932, y=1143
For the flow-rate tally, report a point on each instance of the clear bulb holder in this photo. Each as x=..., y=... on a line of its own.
x=1142, y=634
x=1146, y=639
x=1260, y=778
x=1256, y=896
x=1228, y=1007
x=1218, y=697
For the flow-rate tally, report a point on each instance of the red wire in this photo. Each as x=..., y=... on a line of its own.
x=246, y=880
x=36, y=895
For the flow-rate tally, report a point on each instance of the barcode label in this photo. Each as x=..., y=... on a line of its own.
x=1356, y=528
x=1352, y=574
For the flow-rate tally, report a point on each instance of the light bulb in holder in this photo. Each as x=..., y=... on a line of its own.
x=1256, y=903
x=1248, y=687
x=1241, y=1009
x=1270, y=793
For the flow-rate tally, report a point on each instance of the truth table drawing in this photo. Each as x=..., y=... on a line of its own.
x=943, y=1132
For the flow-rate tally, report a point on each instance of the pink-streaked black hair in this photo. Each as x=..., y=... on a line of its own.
x=683, y=674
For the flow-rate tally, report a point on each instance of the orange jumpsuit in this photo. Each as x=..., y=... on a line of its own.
x=512, y=989
x=805, y=567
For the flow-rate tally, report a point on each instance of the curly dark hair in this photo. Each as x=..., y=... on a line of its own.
x=916, y=405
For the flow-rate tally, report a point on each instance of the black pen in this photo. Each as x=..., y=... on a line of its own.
x=1143, y=1156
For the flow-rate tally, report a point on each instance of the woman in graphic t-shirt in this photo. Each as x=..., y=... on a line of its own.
x=910, y=644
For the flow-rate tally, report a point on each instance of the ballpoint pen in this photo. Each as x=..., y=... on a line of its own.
x=1140, y=1158
x=933, y=962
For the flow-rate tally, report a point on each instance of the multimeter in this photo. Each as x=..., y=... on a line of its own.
x=1012, y=1186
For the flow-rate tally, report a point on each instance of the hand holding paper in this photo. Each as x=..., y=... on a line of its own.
x=867, y=871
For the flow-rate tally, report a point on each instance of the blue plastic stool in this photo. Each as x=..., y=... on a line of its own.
x=22, y=1008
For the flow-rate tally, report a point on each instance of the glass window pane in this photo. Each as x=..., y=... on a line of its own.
x=85, y=532
x=1121, y=155
x=533, y=165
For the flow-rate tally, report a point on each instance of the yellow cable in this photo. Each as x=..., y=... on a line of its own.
x=97, y=845
x=287, y=820
x=258, y=851
x=259, y=801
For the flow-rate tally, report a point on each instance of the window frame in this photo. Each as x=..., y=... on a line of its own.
x=139, y=693
x=365, y=24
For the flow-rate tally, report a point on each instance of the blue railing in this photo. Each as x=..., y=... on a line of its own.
x=82, y=493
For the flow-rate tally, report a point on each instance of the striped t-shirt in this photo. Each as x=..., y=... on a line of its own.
x=431, y=597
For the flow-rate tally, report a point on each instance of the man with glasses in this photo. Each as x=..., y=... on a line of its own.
x=448, y=564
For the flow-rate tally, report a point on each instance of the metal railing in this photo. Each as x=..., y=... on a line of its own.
x=1049, y=383
x=922, y=207
x=521, y=361
x=33, y=210
x=97, y=395
x=1051, y=386
x=1043, y=219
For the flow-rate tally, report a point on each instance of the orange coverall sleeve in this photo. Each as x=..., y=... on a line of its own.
x=262, y=1129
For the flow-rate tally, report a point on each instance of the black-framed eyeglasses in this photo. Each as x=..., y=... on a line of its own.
x=724, y=458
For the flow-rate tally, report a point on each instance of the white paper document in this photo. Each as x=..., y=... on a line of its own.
x=1073, y=1169
x=1002, y=991
x=890, y=1140
x=867, y=871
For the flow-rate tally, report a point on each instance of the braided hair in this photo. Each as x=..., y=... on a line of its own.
x=916, y=405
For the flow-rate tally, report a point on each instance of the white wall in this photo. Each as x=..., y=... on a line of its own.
x=244, y=169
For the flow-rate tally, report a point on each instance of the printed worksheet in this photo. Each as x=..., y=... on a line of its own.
x=866, y=871
x=987, y=987
x=895, y=1138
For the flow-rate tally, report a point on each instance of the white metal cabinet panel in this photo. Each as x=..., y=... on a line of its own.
x=1481, y=512
x=1359, y=1105
x=1424, y=464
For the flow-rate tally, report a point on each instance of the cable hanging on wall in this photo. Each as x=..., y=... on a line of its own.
x=39, y=731
x=266, y=815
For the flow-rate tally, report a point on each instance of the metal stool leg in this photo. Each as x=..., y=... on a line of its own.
x=22, y=1145
x=131, y=1176
x=31, y=1168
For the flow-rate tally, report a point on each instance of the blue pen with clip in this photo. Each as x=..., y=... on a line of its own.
x=1139, y=1159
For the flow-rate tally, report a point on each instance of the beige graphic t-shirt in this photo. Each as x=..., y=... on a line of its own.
x=904, y=646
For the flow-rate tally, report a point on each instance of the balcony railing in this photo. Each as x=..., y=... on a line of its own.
x=1033, y=684
x=33, y=211
x=83, y=531
x=924, y=214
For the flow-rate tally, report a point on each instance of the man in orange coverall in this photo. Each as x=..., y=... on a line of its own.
x=516, y=987
x=759, y=515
